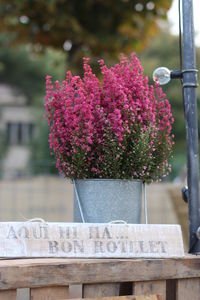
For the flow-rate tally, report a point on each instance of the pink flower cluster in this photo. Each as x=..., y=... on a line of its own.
x=96, y=125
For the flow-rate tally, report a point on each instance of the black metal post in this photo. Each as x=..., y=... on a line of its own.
x=190, y=108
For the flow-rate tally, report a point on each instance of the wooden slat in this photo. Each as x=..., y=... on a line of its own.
x=100, y=290
x=49, y=293
x=8, y=295
x=150, y=287
x=141, y=297
x=75, y=291
x=23, y=294
x=61, y=272
x=188, y=289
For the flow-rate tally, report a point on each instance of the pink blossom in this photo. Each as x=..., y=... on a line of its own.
x=87, y=116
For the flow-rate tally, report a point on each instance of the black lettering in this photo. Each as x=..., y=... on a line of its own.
x=11, y=233
x=23, y=232
x=61, y=231
x=123, y=246
x=93, y=233
x=75, y=234
x=106, y=234
x=66, y=247
x=154, y=246
x=141, y=245
x=78, y=247
x=40, y=233
x=131, y=247
x=111, y=246
x=98, y=247
x=44, y=232
x=163, y=244
x=53, y=247
x=68, y=232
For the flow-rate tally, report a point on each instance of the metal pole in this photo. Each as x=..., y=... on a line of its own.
x=190, y=108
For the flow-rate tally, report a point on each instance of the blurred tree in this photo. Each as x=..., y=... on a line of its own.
x=3, y=145
x=93, y=28
x=164, y=51
x=27, y=72
x=41, y=160
x=19, y=70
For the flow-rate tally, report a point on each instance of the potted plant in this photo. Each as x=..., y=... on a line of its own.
x=109, y=135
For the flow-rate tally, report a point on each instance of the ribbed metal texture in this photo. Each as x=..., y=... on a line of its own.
x=106, y=200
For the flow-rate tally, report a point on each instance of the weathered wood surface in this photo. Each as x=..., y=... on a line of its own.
x=150, y=287
x=141, y=297
x=100, y=290
x=63, y=272
x=8, y=295
x=49, y=293
x=77, y=240
x=188, y=289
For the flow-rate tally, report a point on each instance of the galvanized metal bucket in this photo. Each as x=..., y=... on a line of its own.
x=107, y=200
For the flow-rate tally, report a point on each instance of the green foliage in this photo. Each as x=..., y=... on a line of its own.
x=3, y=144
x=22, y=71
x=133, y=154
x=25, y=71
x=3, y=147
x=41, y=160
x=91, y=28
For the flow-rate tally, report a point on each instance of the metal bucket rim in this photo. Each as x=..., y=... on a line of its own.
x=109, y=179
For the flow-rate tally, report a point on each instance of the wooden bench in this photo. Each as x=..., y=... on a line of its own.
x=54, y=279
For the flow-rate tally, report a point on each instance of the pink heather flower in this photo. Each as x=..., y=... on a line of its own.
x=92, y=122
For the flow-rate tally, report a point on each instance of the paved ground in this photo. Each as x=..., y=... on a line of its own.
x=51, y=198
x=160, y=206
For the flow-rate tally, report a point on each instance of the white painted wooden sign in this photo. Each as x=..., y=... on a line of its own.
x=38, y=239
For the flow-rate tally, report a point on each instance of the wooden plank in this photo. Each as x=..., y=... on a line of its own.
x=82, y=240
x=8, y=295
x=75, y=291
x=100, y=290
x=61, y=272
x=141, y=297
x=188, y=289
x=49, y=293
x=23, y=294
x=150, y=287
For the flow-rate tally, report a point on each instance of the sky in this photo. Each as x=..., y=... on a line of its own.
x=173, y=18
